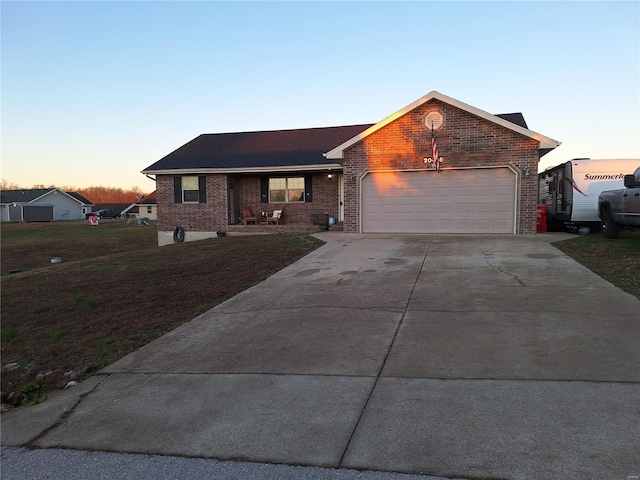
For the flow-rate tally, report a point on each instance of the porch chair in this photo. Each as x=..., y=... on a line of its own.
x=276, y=216
x=246, y=215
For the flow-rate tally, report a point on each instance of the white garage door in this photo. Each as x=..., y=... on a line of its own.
x=454, y=201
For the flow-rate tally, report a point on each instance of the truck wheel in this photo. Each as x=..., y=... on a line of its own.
x=609, y=228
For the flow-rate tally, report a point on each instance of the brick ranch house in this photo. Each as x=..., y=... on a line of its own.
x=375, y=178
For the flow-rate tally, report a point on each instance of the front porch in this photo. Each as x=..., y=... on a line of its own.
x=222, y=199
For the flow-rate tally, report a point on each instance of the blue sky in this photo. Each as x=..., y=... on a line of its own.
x=94, y=92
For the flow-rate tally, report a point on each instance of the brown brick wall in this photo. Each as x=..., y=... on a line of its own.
x=197, y=217
x=213, y=215
x=464, y=141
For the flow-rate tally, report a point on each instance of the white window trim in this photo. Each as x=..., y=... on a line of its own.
x=197, y=190
x=286, y=189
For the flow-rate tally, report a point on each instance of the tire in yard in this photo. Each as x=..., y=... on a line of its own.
x=178, y=235
x=609, y=228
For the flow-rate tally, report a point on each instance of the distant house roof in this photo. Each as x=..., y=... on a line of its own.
x=256, y=151
x=27, y=196
x=149, y=199
x=80, y=198
x=22, y=196
x=145, y=200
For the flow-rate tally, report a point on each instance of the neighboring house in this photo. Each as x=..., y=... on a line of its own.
x=42, y=205
x=373, y=178
x=145, y=208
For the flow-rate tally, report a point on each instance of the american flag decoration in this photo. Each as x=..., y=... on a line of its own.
x=434, y=150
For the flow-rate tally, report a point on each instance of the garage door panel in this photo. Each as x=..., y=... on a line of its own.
x=456, y=201
x=502, y=224
x=480, y=191
x=464, y=209
x=406, y=209
x=502, y=208
x=387, y=210
x=503, y=190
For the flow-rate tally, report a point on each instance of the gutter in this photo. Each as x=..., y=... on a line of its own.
x=200, y=171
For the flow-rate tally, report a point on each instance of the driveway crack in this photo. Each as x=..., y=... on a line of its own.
x=66, y=411
x=487, y=255
x=386, y=357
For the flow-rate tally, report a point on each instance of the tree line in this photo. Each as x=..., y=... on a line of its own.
x=95, y=194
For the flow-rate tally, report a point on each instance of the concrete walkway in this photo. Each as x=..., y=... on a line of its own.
x=445, y=355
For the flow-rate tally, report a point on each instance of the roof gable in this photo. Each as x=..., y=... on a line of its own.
x=72, y=195
x=256, y=151
x=513, y=121
x=149, y=199
x=36, y=194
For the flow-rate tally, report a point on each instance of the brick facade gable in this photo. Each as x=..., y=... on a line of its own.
x=464, y=141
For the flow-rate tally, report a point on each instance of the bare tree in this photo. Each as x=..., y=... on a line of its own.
x=7, y=185
x=96, y=194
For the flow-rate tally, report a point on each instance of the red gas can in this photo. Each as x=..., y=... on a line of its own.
x=541, y=218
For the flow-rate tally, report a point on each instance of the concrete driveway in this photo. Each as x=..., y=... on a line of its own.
x=456, y=356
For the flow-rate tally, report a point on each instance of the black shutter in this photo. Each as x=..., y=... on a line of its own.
x=264, y=190
x=202, y=189
x=308, y=191
x=177, y=189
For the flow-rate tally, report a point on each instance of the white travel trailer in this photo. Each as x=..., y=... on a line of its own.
x=570, y=190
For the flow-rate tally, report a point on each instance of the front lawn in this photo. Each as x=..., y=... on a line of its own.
x=615, y=260
x=113, y=292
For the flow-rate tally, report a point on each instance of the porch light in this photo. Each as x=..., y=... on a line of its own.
x=329, y=175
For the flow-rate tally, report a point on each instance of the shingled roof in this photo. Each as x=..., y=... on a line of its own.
x=24, y=195
x=262, y=151
x=516, y=118
x=80, y=198
x=29, y=195
x=247, y=151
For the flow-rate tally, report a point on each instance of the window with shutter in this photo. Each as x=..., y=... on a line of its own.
x=286, y=189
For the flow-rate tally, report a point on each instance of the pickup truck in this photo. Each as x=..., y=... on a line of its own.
x=620, y=209
x=106, y=213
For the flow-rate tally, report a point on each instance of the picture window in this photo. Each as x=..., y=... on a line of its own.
x=286, y=190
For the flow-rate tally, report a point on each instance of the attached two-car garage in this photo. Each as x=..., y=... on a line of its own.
x=487, y=183
x=472, y=200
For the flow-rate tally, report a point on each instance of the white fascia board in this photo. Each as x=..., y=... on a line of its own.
x=53, y=190
x=217, y=171
x=128, y=208
x=543, y=141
